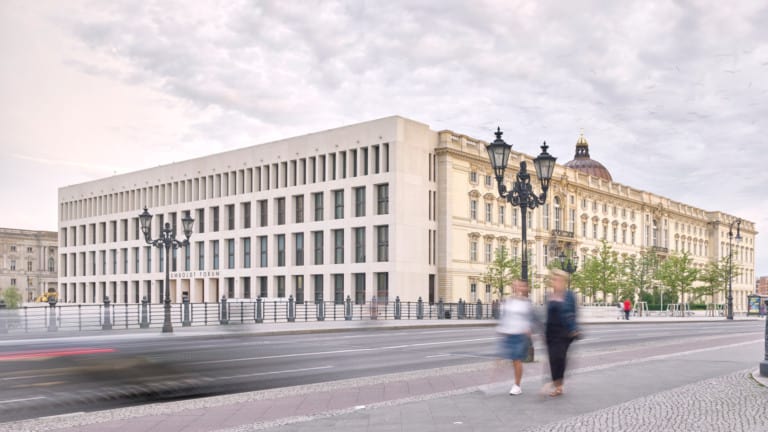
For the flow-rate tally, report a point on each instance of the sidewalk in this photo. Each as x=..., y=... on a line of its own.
x=651, y=388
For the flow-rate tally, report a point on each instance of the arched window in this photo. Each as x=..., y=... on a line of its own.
x=655, y=233
x=51, y=267
x=558, y=214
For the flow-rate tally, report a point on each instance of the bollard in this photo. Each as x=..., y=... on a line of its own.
x=440, y=309
x=107, y=325
x=223, y=311
x=144, y=313
x=348, y=309
x=259, y=310
x=291, y=312
x=185, y=306
x=420, y=309
x=52, y=314
x=3, y=324
x=479, y=310
x=320, y=311
x=398, y=310
x=460, y=309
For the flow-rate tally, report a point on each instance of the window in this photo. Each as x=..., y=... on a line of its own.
x=488, y=181
x=359, y=279
x=338, y=246
x=298, y=241
x=280, y=283
x=246, y=241
x=359, y=201
x=318, y=241
x=215, y=217
x=558, y=214
x=200, y=220
x=13, y=265
x=382, y=199
x=263, y=215
x=488, y=211
x=29, y=249
x=545, y=215
x=113, y=254
x=473, y=209
x=501, y=214
x=298, y=288
x=488, y=254
x=382, y=287
x=215, y=253
x=187, y=258
x=280, y=204
x=29, y=266
x=615, y=235
x=51, y=265
x=230, y=216
x=231, y=253
x=318, y=201
x=280, y=240
x=473, y=176
x=245, y=208
x=382, y=243
x=359, y=245
x=584, y=229
x=13, y=249
x=571, y=220
x=338, y=204
x=338, y=289
x=200, y=255
x=473, y=250
x=594, y=230
x=298, y=208
x=263, y=286
x=263, y=251
x=147, y=254
x=317, y=281
x=514, y=216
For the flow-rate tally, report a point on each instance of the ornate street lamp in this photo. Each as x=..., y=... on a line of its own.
x=569, y=264
x=730, y=263
x=167, y=241
x=522, y=194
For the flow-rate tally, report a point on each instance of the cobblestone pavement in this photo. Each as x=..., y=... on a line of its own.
x=730, y=403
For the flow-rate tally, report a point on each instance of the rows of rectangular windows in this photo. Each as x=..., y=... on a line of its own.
x=211, y=218
x=288, y=249
x=249, y=288
x=314, y=169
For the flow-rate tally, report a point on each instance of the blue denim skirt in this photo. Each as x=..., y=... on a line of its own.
x=514, y=346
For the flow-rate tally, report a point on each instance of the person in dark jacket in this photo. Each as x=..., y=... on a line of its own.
x=560, y=328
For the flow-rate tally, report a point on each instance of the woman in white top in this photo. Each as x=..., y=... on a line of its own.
x=515, y=328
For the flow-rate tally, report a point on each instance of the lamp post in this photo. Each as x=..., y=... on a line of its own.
x=569, y=264
x=522, y=194
x=167, y=241
x=730, y=263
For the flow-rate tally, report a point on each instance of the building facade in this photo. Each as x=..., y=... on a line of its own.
x=29, y=261
x=387, y=208
x=761, y=287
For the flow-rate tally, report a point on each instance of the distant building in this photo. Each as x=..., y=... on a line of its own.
x=28, y=261
x=762, y=285
x=383, y=208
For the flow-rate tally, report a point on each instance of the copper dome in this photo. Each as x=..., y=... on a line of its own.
x=583, y=163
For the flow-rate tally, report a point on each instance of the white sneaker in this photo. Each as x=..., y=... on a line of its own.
x=515, y=390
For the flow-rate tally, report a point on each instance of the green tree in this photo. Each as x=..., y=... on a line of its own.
x=501, y=271
x=639, y=273
x=714, y=278
x=678, y=274
x=12, y=297
x=600, y=273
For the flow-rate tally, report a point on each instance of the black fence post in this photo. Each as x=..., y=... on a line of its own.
x=144, y=313
x=397, y=308
x=107, y=324
x=223, y=311
x=420, y=309
x=291, y=313
x=185, y=306
x=320, y=311
x=479, y=310
x=52, y=314
x=440, y=309
x=348, y=308
x=259, y=310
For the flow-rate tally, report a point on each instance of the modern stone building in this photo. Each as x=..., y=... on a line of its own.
x=28, y=260
x=384, y=208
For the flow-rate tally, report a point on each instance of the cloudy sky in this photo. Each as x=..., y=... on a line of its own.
x=672, y=96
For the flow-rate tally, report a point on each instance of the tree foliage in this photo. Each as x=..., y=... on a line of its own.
x=600, y=274
x=678, y=274
x=12, y=297
x=715, y=279
x=502, y=271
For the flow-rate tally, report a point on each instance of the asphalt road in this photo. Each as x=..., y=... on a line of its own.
x=55, y=376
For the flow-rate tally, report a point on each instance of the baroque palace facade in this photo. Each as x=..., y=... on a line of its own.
x=386, y=208
x=28, y=261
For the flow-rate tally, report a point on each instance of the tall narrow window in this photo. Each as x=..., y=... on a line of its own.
x=382, y=287
x=473, y=209
x=338, y=204
x=318, y=202
x=280, y=240
x=200, y=256
x=298, y=240
x=558, y=214
x=215, y=253
x=280, y=283
x=246, y=252
x=382, y=199
x=263, y=212
x=215, y=217
x=382, y=243
x=230, y=216
x=280, y=204
x=359, y=279
x=298, y=207
x=245, y=208
x=298, y=288
x=338, y=245
x=318, y=244
x=317, y=281
x=338, y=288
x=359, y=201
x=231, y=253
x=359, y=245
x=263, y=251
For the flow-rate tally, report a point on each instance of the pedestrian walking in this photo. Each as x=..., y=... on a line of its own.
x=560, y=329
x=515, y=329
x=627, y=308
